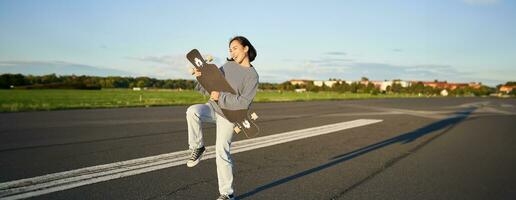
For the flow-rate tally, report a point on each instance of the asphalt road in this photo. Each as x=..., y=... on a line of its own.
x=436, y=148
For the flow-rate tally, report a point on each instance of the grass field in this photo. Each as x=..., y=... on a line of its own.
x=52, y=99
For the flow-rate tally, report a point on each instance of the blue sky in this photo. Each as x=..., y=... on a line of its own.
x=453, y=40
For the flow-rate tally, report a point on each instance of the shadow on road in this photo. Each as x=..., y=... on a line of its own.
x=444, y=125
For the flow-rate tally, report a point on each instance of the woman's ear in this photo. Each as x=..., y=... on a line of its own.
x=246, y=49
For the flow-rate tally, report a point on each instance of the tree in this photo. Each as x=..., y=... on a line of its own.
x=417, y=88
x=369, y=88
x=511, y=83
x=353, y=87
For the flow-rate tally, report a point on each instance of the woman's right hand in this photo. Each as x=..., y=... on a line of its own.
x=194, y=71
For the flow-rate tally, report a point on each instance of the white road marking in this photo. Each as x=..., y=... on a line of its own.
x=30, y=187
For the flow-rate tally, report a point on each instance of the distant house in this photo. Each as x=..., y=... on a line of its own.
x=330, y=83
x=450, y=86
x=301, y=90
x=318, y=83
x=385, y=84
x=299, y=82
x=435, y=84
x=377, y=84
x=475, y=85
x=453, y=86
x=139, y=88
x=444, y=93
x=402, y=83
x=507, y=89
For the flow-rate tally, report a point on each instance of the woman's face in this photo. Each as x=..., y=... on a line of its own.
x=237, y=51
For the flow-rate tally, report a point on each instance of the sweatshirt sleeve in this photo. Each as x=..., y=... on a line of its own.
x=200, y=89
x=242, y=101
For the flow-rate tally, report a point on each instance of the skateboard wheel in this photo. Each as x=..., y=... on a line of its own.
x=209, y=58
x=237, y=130
x=254, y=116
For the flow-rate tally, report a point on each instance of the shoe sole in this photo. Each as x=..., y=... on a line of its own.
x=195, y=162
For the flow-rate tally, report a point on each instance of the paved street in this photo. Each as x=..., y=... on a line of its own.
x=425, y=148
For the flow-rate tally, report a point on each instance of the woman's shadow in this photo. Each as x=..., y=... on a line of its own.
x=445, y=125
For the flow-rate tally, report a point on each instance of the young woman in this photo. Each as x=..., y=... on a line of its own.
x=242, y=77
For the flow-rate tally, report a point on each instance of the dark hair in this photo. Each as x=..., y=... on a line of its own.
x=244, y=42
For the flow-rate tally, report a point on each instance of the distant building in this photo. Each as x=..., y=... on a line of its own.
x=385, y=84
x=475, y=85
x=444, y=93
x=435, y=84
x=403, y=83
x=377, y=84
x=300, y=90
x=299, y=82
x=507, y=89
x=318, y=83
x=139, y=88
x=450, y=86
x=330, y=83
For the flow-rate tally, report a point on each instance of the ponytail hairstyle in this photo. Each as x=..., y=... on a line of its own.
x=251, y=53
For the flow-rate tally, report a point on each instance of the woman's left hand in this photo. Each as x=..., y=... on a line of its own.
x=214, y=95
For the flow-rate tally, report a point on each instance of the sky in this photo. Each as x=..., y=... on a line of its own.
x=452, y=40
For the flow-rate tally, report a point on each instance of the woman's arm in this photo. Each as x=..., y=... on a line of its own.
x=235, y=102
x=201, y=90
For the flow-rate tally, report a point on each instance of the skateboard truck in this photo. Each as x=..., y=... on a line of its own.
x=254, y=116
x=191, y=69
x=237, y=130
x=209, y=58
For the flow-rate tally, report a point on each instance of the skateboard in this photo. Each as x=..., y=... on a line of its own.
x=212, y=79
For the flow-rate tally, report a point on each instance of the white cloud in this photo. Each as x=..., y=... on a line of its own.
x=172, y=66
x=58, y=67
x=336, y=53
x=481, y=2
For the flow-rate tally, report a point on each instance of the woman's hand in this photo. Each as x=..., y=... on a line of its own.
x=214, y=95
x=194, y=71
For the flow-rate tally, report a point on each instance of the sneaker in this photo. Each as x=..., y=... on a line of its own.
x=226, y=197
x=195, y=157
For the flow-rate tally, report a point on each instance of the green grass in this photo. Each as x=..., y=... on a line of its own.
x=311, y=96
x=53, y=99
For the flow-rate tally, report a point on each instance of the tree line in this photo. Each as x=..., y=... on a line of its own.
x=52, y=81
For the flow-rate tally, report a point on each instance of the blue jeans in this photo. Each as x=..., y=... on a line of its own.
x=195, y=115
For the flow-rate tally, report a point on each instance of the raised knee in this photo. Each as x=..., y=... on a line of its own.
x=191, y=111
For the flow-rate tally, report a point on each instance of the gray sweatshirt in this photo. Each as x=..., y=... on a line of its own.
x=244, y=80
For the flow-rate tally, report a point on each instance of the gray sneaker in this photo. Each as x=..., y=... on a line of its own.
x=226, y=197
x=195, y=157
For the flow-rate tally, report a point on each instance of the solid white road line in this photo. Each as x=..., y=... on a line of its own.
x=30, y=187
